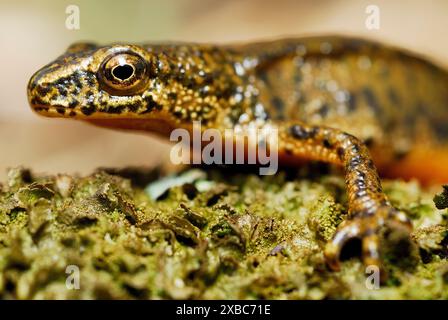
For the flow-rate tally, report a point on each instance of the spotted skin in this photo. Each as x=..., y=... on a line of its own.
x=345, y=101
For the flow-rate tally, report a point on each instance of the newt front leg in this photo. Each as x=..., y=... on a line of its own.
x=368, y=206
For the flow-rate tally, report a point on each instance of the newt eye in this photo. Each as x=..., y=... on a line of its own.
x=124, y=74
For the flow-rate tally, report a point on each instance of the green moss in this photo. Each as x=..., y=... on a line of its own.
x=441, y=200
x=207, y=235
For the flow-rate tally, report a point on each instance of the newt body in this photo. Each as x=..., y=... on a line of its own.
x=346, y=101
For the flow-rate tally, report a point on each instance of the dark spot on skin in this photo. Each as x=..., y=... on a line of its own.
x=351, y=102
x=298, y=76
x=190, y=84
x=227, y=92
x=341, y=152
x=151, y=105
x=76, y=80
x=116, y=110
x=371, y=100
x=73, y=104
x=324, y=109
x=422, y=108
x=179, y=77
x=355, y=148
x=288, y=151
x=61, y=82
x=62, y=91
x=38, y=109
x=369, y=142
x=393, y=97
x=43, y=90
x=440, y=129
x=37, y=100
x=370, y=164
x=133, y=107
x=400, y=154
x=409, y=119
x=355, y=44
x=72, y=114
x=410, y=77
x=90, y=80
x=278, y=104
x=60, y=110
x=314, y=131
x=172, y=96
x=303, y=99
x=263, y=76
x=327, y=144
x=391, y=213
x=178, y=114
x=378, y=180
x=75, y=90
x=208, y=79
x=299, y=132
x=354, y=162
x=87, y=110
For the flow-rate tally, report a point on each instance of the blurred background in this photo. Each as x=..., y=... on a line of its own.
x=32, y=33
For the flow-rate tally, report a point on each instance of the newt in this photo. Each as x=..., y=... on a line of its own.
x=358, y=104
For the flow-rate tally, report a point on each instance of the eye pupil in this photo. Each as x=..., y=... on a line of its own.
x=123, y=72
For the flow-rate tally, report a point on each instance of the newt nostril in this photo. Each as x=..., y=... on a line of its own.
x=38, y=86
x=37, y=92
x=32, y=84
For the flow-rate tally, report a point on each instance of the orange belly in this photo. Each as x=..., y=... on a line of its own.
x=428, y=165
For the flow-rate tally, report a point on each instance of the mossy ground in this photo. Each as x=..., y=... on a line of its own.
x=225, y=235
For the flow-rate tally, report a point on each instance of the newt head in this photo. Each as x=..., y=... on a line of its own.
x=119, y=85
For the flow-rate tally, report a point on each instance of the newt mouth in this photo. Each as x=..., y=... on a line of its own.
x=48, y=111
x=63, y=112
x=55, y=111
